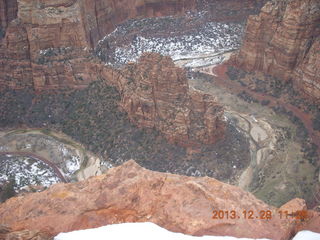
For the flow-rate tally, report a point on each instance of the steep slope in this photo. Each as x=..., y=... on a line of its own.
x=43, y=47
x=283, y=40
x=48, y=45
x=155, y=93
x=8, y=12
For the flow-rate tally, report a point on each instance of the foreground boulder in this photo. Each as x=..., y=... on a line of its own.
x=130, y=193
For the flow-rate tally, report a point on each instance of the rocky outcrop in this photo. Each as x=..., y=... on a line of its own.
x=102, y=16
x=130, y=193
x=52, y=24
x=307, y=73
x=7, y=234
x=155, y=94
x=66, y=68
x=51, y=27
x=283, y=40
x=43, y=47
x=221, y=10
x=48, y=45
x=15, y=63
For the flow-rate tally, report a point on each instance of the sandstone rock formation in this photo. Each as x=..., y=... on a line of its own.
x=7, y=234
x=44, y=31
x=46, y=47
x=283, y=40
x=37, y=29
x=102, y=16
x=130, y=193
x=155, y=93
x=230, y=10
x=313, y=224
x=15, y=64
x=307, y=73
x=8, y=12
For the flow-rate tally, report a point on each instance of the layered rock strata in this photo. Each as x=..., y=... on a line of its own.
x=37, y=28
x=8, y=12
x=283, y=40
x=130, y=193
x=101, y=17
x=155, y=94
x=7, y=234
x=230, y=10
x=47, y=46
x=36, y=49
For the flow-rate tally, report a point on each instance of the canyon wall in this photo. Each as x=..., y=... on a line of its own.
x=44, y=46
x=155, y=93
x=37, y=58
x=48, y=43
x=8, y=12
x=283, y=40
x=107, y=14
x=177, y=203
x=49, y=46
x=230, y=10
x=101, y=17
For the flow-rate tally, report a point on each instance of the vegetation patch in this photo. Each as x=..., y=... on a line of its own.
x=92, y=117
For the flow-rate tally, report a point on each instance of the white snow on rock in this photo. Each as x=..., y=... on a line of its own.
x=307, y=235
x=209, y=38
x=26, y=171
x=141, y=231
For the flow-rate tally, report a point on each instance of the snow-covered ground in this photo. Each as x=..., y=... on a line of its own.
x=307, y=235
x=180, y=41
x=135, y=231
x=26, y=171
x=148, y=231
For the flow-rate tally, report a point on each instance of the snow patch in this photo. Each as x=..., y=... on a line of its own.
x=141, y=231
x=307, y=235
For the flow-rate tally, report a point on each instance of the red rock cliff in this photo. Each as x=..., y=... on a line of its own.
x=8, y=12
x=47, y=46
x=283, y=40
x=102, y=16
x=33, y=52
x=130, y=193
x=33, y=40
x=155, y=93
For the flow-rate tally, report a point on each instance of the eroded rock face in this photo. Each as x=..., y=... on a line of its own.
x=7, y=234
x=130, y=193
x=47, y=27
x=102, y=16
x=307, y=74
x=43, y=47
x=155, y=94
x=283, y=40
x=47, y=46
x=15, y=63
x=8, y=12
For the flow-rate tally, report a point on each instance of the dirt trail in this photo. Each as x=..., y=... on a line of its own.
x=221, y=79
x=46, y=161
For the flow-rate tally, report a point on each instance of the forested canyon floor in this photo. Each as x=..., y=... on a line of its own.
x=255, y=138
